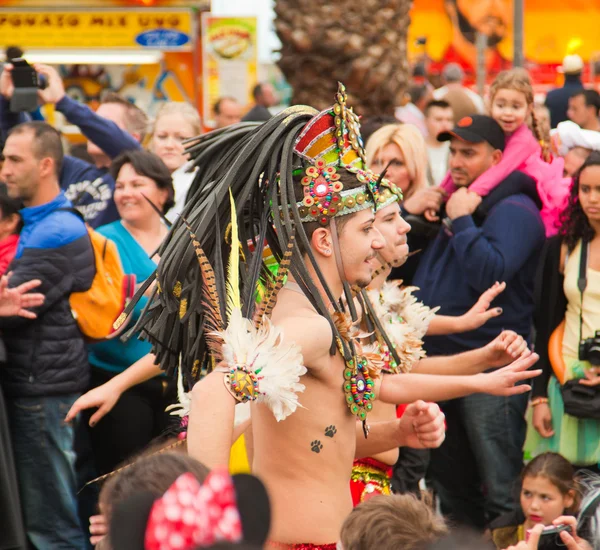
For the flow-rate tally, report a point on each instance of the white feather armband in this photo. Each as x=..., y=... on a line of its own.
x=260, y=367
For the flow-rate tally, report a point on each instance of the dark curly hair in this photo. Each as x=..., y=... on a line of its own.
x=574, y=223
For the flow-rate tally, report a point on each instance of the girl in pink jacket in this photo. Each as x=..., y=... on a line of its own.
x=511, y=97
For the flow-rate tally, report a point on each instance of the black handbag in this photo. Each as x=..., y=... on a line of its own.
x=581, y=401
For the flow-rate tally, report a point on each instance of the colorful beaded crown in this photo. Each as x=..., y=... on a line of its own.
x=329, y=142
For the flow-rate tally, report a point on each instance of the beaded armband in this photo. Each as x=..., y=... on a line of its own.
x=243, y=383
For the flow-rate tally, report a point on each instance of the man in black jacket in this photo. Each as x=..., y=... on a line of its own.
x=46, y=367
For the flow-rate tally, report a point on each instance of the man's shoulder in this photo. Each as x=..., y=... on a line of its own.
x=306, y=328
x=55, y=230
x=305, y=319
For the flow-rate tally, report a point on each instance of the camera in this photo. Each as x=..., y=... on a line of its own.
x=550, y=537
x=589, y=349
x=26, y=82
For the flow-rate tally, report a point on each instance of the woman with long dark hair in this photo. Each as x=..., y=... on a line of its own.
x=562, y=310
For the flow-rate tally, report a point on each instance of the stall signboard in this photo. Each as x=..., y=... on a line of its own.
x=161, y=29
x=230, y=59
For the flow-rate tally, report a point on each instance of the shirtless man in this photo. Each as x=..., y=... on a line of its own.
x=372, y=469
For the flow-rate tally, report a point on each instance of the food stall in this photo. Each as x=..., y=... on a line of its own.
x=147, y=50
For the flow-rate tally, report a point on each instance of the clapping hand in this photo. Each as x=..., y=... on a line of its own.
x=422, y=426
x=505, y=348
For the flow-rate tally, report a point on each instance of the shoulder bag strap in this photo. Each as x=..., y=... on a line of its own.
x=582, y=281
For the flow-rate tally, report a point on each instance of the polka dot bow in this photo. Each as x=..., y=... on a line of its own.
x=190, y=515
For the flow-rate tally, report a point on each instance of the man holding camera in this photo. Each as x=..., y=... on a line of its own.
x=89, y=186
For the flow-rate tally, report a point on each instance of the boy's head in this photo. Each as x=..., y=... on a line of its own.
x=439, y=117
x=391, y=522
x=125, y=115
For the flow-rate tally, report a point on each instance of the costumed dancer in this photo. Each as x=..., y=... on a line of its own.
x=298, y=182
x=394, y=309
x=511, y=100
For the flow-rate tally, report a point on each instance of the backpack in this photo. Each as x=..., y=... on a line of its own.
x=97, y=308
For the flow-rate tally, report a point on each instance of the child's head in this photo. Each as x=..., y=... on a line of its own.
x=391, y=522
x=154, y=474
x=511, y=99
x=512, y=105
x=548, y=489
x=10, y=219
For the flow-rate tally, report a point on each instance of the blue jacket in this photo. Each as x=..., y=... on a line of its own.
x=456, y=268
x=47, y=355
x=557, y=100
x=89, y=187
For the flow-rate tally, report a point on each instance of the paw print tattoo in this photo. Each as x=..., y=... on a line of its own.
x=316, y=446
x=330, y=431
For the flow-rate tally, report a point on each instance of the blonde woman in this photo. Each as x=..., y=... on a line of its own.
x=402, y=148
x=175, y=122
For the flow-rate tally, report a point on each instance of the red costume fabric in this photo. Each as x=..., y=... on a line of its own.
x=370, y=478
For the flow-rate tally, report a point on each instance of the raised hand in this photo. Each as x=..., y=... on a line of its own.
x=55, y=89
x=481, y=313
x=422, y=426
x=502, y=381
x=18, y=300
x=505, y=348
x=7, y=88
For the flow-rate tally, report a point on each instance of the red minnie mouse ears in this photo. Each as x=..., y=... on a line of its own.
x=190, y=515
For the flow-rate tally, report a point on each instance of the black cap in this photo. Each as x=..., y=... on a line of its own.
x=477, y=129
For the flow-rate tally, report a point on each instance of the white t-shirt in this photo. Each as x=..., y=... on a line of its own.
x=182, y=180
x=438, y=162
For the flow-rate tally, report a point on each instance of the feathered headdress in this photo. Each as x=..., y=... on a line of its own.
x=261, y=166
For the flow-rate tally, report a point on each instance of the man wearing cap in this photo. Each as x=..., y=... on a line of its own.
x=557, y=100
x=481, y=241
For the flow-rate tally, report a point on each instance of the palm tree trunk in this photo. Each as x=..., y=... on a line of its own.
x=361, y=43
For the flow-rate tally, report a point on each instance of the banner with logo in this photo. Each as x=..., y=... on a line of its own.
x=162, y=29
x=230, y=58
